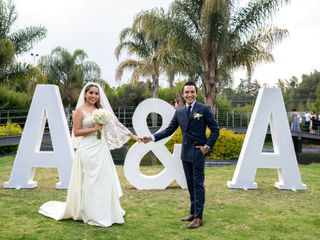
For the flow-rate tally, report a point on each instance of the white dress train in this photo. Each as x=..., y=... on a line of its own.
x=94, y=188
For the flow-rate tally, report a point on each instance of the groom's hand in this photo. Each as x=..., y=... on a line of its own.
x=204, y=150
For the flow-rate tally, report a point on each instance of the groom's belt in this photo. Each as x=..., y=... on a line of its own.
x=198, y=145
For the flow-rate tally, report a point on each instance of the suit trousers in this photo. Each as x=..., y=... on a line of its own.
x=194, y=172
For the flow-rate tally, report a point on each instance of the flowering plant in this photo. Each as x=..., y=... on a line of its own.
x=197, y=116
x=100, y=116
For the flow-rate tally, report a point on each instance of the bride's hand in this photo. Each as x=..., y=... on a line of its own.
x=134, y=137
x=98, y=127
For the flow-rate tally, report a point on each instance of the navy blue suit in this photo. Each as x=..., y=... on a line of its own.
x=193, y=134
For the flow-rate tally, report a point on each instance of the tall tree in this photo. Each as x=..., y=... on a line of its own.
x=6, y=57
x=150, y=52
x=69, y=71
x=145, y=62
x=22, y=39
x=222, y=36
x=14, y=42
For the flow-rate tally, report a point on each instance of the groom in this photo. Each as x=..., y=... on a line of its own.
x=193, y=119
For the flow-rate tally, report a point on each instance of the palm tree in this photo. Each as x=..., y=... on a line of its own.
x=6, y=56
x=69, y=71
x=146, y=64
x=221, y=36
x=150, y=51
x=16, y=42
x=22, y=39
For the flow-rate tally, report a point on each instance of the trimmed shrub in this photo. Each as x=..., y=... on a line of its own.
x=228, y=145
x=176, y=139
x=5, y=150
x=10, y=129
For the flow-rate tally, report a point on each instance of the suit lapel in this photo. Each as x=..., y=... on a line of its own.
x=194, y=110
x=184, y=119
x=185, y=112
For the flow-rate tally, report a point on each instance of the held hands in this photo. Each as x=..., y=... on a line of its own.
x=145, y=139
x=140, y=139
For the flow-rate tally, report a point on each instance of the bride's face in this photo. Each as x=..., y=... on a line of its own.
x=92, y=96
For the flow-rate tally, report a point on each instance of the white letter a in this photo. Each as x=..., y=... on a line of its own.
x=46, y=104
x=269, y=108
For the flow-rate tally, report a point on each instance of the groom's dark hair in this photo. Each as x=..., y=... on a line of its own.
x=190, y=83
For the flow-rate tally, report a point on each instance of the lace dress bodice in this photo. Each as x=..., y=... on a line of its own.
x=87, y=120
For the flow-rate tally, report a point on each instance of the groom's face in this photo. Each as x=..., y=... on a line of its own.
x=189, y=94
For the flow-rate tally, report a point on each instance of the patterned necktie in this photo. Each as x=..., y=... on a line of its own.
x=188, y=110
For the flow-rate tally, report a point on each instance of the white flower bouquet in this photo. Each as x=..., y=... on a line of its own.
x=100, y=116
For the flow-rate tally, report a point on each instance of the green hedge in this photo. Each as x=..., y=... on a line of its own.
x=11, y=99
x=5, y=150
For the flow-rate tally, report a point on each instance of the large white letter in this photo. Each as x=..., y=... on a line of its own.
x=46, y=104
x=173, y=166
x=269, y=108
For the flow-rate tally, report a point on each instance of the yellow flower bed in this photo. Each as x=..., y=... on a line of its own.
x=10, y=129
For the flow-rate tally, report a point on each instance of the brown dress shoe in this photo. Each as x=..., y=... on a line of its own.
x=197, y=222
x=188, y=218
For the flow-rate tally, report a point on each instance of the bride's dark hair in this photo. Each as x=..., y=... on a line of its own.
x=97, y=104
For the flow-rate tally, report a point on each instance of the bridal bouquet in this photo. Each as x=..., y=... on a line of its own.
x=100, y=116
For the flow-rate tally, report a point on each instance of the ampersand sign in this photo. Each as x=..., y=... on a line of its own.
x=173, y=169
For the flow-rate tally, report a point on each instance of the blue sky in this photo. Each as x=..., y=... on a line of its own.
x=94, y=26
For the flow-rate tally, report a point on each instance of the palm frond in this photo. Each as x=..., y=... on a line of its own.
x=254, y=16
x=8, y=15
x=128, y=64
x=24, y=39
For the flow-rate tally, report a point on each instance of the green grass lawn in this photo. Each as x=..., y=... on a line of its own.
x=266, y=213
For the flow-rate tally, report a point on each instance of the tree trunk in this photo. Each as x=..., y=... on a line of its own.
x=155, y=88
x=209, y=76
x=210, y=92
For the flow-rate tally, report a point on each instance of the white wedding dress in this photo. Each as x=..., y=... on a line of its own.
x=94, y=188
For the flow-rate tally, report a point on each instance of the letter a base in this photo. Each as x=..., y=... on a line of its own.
x=244, y=186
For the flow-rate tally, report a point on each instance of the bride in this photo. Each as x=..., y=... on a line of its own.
x=94, y=188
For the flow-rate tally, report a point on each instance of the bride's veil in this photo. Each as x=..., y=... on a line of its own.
x=114, y=132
